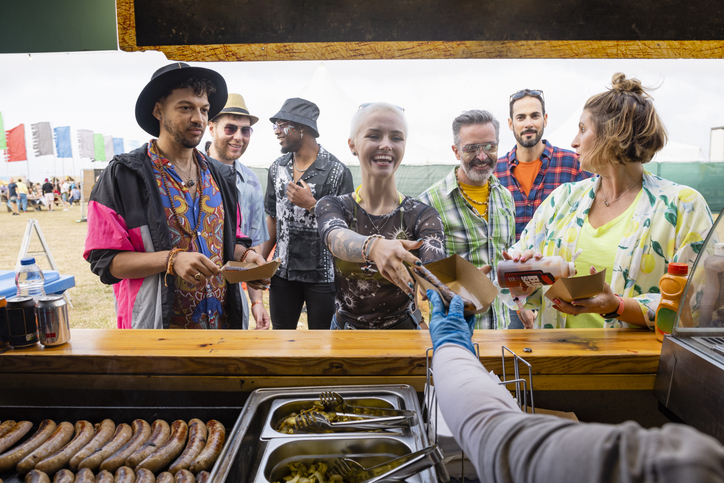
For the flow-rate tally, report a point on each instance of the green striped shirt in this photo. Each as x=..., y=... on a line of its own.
x=470, y=236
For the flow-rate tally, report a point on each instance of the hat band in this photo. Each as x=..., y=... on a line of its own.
x=235, y=110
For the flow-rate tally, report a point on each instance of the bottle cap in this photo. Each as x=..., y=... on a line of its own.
x=678, y=269
x=719, y=249
x=27, y=261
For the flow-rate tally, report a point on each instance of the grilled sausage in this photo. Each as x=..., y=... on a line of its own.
x=160, y=431
x=11, y=458
x=197, y=442
x=120, y=437
x=165, y=477
x=85, y=476
x=83, y=434
x=6, y=426
x=102, y=436
x=105, y=477
x=444, y=290
x=14, y=434
x=173, y=447
x=214, y=443
x=60, y=437
x=184, y=476
x=145, y=476
x=141, y=432
x=64, y=476
x=124, y=474
x=202, y=477
x=36, y=476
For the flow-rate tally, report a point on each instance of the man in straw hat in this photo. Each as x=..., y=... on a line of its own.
x=304, y=174
x=162, y=219
x=230, y=133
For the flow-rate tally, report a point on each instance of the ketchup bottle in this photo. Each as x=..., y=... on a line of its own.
x=671, y=286
x=534, y=272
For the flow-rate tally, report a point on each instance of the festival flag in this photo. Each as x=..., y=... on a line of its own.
x=42, y=138
x=99, y=145
x=108, y=142
x=133, y=145
x=85, y=143
x=3, y=143
x=16, y=144
x=62, y=142
x=118, y=146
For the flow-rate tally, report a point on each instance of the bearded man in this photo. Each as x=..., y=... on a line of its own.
x=477, y=212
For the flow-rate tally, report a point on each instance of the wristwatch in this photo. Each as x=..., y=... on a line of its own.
x=616, y=313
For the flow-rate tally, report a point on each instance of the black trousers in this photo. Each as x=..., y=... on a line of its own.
x=286, y=299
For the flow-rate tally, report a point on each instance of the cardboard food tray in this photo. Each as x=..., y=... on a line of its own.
x=463, y=278
x=252, y=272
x=569, y=289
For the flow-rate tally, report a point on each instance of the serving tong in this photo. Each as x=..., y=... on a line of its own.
x=315, y=422
x=396, y=469
x=334, y=402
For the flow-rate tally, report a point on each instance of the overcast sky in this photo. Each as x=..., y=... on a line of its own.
x=98, y=91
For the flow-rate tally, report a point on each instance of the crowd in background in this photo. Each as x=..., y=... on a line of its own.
x=19, y=194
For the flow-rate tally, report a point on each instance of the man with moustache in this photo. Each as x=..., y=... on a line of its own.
x=477, y=212
x=297, y=180
x=230, y=133
x=162, y=219
x=534, y=167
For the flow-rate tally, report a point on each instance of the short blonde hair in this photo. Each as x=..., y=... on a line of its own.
x=368, y=109
x=627, y=127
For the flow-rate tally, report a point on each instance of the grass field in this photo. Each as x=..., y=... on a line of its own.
x=93, y=305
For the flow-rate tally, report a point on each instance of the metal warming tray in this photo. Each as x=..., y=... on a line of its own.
x=256, y=453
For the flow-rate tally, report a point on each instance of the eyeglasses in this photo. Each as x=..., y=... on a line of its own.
x=286, y=128
x=527, y=92
x=473, y=150
x=230, y=130
x=368, y=104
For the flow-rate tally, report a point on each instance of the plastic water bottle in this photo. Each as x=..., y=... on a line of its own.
x=30, y=279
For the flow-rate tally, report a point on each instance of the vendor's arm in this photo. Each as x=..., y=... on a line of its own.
x=133, y=265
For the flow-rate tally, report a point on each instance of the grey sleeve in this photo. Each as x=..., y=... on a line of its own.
x=506, y=445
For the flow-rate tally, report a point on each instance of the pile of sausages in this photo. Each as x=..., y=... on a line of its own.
x=135, y=453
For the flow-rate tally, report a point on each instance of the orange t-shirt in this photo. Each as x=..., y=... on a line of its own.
x=525, y=173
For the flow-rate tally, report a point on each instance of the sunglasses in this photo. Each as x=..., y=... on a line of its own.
x=527, y=92
x=368, y=104
x=286, y=128
x=473, y=150
x=230, y=130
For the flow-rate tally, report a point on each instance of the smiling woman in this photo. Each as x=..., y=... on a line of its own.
x=374, y=231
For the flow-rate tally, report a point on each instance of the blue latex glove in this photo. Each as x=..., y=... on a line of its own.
x=452, y=328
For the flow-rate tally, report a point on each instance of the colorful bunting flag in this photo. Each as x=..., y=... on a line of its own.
x=85, y=143
x=62, y=142
x=118, y=146
x=16, y=144
x=42, y=138
x=132, y=144
x=3, y=143
x=108, y=142
x=99, y=145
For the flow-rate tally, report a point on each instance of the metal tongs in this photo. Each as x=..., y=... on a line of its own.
x=314, y=422
x=393, y=470
x=333, y=402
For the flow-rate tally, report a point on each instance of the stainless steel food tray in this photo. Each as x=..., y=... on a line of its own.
x=256, y=453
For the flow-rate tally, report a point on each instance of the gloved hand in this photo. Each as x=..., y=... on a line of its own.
x=452, y=328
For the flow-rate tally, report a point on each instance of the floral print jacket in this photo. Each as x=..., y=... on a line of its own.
x=669, y=224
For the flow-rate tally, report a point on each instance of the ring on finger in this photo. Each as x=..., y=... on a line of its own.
x=198, y=276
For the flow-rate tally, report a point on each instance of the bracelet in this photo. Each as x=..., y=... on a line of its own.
x=169, y=263
x=243, y=257
x=618, y=312
x=313, y=208
x=257, y=302
x=367, y=246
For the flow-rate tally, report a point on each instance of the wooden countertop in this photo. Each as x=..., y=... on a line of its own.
x=563, y=359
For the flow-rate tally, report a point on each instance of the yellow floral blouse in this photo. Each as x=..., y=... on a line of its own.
x=669, y=224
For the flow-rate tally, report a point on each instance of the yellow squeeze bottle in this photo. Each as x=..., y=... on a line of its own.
x=671, y=286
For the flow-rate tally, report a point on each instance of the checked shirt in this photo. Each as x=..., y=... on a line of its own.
x=468, y=234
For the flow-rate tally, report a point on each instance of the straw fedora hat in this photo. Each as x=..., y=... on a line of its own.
x=167, y=76
x=236, y=105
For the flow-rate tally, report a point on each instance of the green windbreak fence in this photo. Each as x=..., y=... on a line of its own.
x=706, y=178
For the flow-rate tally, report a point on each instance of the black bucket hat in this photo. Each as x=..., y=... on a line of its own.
x=169, y=75
x=300, y=111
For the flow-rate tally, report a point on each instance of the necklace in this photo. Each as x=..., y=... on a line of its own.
x=190, y=181
x=294, y=163
x=358, y=199
x=606, y=202
x=166, y=178
x=471, y=200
